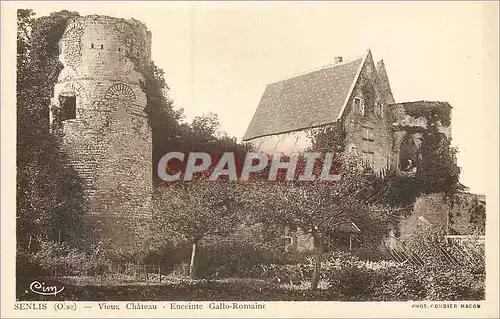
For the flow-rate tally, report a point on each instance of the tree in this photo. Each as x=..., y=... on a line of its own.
x=320, y=208
x=164, y=119
x=438, y=171
x=24, y=23
x=207, y=125
x=49, y=192
x=198, y=209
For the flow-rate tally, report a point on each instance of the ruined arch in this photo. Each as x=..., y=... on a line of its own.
x=74, y=88
x=75, y=25
x=120, y=90
x=68, y=103
x=120, y=101
x=408, y=152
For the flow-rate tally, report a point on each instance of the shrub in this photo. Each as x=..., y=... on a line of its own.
x=293, y=274
x=453, y=283
x=339, y=259
x=58, y=258
x=234, y=257
x=97, y=267
x=26, y=268
x=352, y=283
x=180, y=270
x=401, y=283
x=368, y=253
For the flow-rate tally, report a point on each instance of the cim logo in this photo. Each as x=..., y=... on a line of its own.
x=46, y=288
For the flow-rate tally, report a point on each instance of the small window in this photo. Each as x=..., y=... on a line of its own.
x=68, y=107
x=288, y=241
x=119, y=49
x=368, y=133
x=368, y=146
x=92, y=46
x=380, y=109
x=102, y=46
x=359, y=106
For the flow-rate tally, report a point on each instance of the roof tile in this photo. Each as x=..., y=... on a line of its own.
x=308, y=100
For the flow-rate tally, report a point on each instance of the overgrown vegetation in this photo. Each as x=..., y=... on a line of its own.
x=49, y=193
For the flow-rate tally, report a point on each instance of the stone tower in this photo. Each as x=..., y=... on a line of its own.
x=98, y=106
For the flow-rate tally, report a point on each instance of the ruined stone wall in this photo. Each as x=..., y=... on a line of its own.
x=109, y=141
x=402, y=119
x=432, y=210
x=412, y=126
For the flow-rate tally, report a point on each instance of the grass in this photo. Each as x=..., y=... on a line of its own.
x=174, y=289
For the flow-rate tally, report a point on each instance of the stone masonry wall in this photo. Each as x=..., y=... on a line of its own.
x=376, y=120
x=432, y=210
x=109, y=141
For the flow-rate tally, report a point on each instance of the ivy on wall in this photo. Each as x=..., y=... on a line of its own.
x=369, y=97
x=330, y=138
x=49, y=197
x=433, y=112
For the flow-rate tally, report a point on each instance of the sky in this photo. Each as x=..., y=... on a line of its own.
x=218, y=57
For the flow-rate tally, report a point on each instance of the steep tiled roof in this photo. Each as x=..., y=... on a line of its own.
x=308, y=100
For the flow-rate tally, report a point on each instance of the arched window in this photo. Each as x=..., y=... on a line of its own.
x=359, y=106
x=68, y=106
x=380, y=109
x=408, y=154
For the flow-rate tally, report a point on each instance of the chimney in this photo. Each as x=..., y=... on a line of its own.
x=337, y=60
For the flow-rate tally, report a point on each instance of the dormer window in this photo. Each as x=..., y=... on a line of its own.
x=359, y=105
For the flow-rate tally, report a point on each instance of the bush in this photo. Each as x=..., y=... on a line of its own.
x=180, y=270
x=351, y=283
x=55, y=258
x=97, y=266
x=59, y=259
x=368, y=253
x=398, y=283
x=293, y=274
x=453, y=283
x=26, y=268
x=234, y=257
x=338, y=260
x=402, y=283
